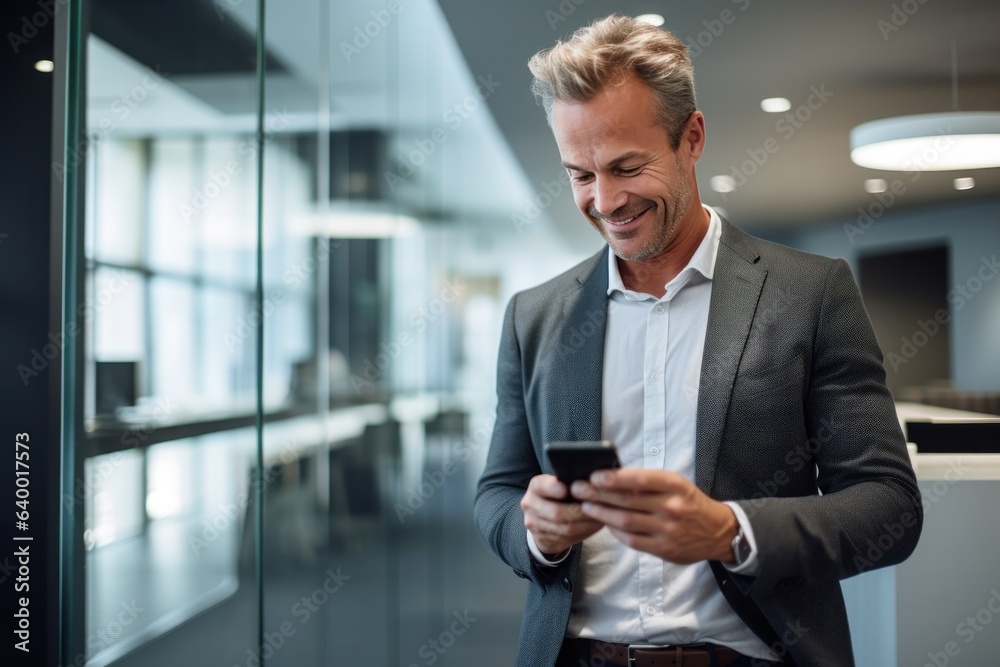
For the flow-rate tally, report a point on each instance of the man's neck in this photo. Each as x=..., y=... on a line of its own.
x=650, y=276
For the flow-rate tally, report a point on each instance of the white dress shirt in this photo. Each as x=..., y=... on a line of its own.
x=652, y=367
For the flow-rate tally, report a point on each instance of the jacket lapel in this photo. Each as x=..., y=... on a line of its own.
x=736, y=287
x=581, y=351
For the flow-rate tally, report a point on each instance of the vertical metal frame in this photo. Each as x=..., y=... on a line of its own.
x=67, y=215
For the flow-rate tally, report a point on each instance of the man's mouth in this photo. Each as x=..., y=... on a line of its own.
x=625, y=221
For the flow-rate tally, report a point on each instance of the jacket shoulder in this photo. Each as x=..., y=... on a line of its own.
x=781, y=261
x=563, y=284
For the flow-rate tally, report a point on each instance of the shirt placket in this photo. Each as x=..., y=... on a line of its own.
x=653, y=441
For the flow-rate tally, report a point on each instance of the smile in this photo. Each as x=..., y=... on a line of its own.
x=626, y=221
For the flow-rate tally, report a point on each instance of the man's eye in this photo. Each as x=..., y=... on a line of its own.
x=582, y=178
x=628, y=172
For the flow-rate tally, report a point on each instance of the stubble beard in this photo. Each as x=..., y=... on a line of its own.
x=666, y=227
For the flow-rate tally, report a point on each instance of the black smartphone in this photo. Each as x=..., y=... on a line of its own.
x=577, y=460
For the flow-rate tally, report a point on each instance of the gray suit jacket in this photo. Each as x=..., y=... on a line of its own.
x=792, y=404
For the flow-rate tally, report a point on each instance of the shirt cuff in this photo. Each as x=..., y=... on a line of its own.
x=751, y=566
x=540, y=557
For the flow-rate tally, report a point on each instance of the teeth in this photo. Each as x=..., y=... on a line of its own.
x=623, y=222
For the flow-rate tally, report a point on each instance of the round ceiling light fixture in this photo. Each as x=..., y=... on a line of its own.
x=929, y=142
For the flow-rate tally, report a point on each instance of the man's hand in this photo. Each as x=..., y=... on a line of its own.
x=554, y=525
x=660, y=512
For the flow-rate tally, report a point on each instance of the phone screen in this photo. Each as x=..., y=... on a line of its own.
x=577, y=460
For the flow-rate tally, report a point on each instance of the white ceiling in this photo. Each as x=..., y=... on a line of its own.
x=775, y=48
x=427, y=58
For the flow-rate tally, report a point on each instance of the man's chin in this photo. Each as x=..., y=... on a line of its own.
x=630, y=252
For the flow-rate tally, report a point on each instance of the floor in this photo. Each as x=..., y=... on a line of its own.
x=380, y=590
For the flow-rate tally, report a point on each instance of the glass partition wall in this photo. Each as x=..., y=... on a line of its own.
x=288, y=288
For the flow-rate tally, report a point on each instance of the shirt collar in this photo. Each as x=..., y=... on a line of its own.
x=703, y=260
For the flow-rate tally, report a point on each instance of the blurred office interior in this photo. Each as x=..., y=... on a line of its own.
x=289, y=281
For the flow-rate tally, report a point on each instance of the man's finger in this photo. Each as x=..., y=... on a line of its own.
x=622, y=519
x=548, y=486
x=644, y=502
x=640, y=480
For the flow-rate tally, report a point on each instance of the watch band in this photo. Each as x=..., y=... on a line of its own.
x=741, y=547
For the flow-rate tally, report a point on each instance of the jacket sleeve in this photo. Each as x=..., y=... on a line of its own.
x=510, y=465
x=869, y=514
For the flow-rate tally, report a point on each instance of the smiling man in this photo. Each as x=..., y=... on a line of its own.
x=740, y=380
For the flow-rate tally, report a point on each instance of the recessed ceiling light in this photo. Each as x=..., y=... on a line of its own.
x=876, y=185
x=651, y=19
x=966, y=183
x=45, y=66
x=775, y=104
x=722, y=183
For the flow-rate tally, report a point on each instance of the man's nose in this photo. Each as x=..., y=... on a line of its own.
x=608, y=196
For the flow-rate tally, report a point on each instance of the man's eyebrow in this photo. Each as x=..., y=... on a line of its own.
x=626, y=157
x=614, y=163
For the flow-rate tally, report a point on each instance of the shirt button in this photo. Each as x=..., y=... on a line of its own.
x=655, y=450
x=650, y=611
x=655, y=377
x=658, y=310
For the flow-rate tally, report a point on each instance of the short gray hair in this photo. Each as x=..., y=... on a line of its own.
x=605, y=53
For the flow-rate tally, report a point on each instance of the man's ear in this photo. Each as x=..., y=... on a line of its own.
x=693, y=137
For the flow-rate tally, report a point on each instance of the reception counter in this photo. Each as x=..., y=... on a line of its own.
x=941, y=606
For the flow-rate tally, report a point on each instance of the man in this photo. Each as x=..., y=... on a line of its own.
x=740, y=380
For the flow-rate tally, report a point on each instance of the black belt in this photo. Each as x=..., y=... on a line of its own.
x=648, y=655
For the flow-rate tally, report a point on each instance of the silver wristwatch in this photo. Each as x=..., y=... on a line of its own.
x=741, y=547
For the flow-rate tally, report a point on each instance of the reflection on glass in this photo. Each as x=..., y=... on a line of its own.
x=165, y=544
x=385, y=265
x=171, y=243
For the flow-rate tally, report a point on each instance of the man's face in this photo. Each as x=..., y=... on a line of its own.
x=628, y=181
